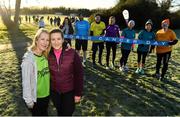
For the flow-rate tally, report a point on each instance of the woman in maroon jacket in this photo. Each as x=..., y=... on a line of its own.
x=66, y=73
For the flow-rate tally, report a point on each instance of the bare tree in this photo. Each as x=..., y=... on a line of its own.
x=17, y=11
x=166, y=4
x=10, y=8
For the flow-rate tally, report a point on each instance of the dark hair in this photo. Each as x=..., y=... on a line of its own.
x=80, y=14
x=97, y=15
x=42, y=17
x=64, y=45
x=56, y=30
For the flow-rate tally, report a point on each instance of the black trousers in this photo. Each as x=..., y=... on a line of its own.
x=110, y=45
x=163, y=58
x=64, y=103
x=81, y=44
x=40, y=107
x=95, y=47
x=142, y=56
x=124, y=58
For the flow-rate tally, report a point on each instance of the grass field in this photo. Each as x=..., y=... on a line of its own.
x=106, y=92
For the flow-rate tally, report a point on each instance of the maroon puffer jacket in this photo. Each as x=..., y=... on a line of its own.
x=68, y=75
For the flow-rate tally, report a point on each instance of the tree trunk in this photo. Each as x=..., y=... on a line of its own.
x=10, y=8
x=17, y=11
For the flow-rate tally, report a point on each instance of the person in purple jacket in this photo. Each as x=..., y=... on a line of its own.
x=112, y=30
x=66, y=74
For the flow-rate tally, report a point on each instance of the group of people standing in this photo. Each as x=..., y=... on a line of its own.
x=98, y=28
x=51, y=68
x=56, y=21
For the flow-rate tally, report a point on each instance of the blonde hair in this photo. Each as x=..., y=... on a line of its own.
x=111, y=17
x=36, y=37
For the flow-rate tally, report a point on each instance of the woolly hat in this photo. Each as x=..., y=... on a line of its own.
x=166, y=21
x=149, y=22
x=131, y=21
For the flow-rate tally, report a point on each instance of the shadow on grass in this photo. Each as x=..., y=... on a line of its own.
x=108, y=92
x=19, y=44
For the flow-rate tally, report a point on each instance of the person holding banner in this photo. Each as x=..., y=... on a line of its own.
x=112, y=30
x=126, y=47
x=164, y=52
x=66, y=73
x=97, y=29
x=36, y=76
x=82, y=29
x=67, y=28
x=142, y=50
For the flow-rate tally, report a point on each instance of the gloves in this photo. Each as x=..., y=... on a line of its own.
x=172, y=42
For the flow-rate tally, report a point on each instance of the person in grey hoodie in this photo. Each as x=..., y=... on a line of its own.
x=41, y=23
x=36, y=76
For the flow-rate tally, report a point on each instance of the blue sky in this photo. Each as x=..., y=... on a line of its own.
x=90, y=4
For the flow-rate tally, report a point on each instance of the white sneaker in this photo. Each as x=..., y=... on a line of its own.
x=141, y=71
x=137, y=71
x=121, y=69
x=107, y=68
x=112, y=66
x=126, y=68
x=83, y=64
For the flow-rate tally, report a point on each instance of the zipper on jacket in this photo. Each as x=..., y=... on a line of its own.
x=60, y=61
x=58, y=65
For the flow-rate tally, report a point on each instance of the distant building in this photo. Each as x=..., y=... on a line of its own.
x=58, y=13
x=73, y=15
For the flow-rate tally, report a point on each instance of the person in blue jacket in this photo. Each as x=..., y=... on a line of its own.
x=82, y=28
x=126, y=47
x=142, y=50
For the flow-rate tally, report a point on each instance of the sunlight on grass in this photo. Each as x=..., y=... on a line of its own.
x=106, y=92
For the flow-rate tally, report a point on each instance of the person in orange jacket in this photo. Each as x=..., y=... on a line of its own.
x=164, y=52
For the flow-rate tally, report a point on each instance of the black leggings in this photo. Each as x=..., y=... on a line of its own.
x=64, y=103
x=95, y=47
x=110, y=45
x=124, y=58
x=163, y=57
x=142, y=55
x=40, y=107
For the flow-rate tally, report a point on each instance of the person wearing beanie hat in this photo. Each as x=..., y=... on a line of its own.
x=131, y=22
x=166, y=21
x=164, y=52
x=149, y=22
x=142, y=51
x=152, y=46
x=126, y=47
